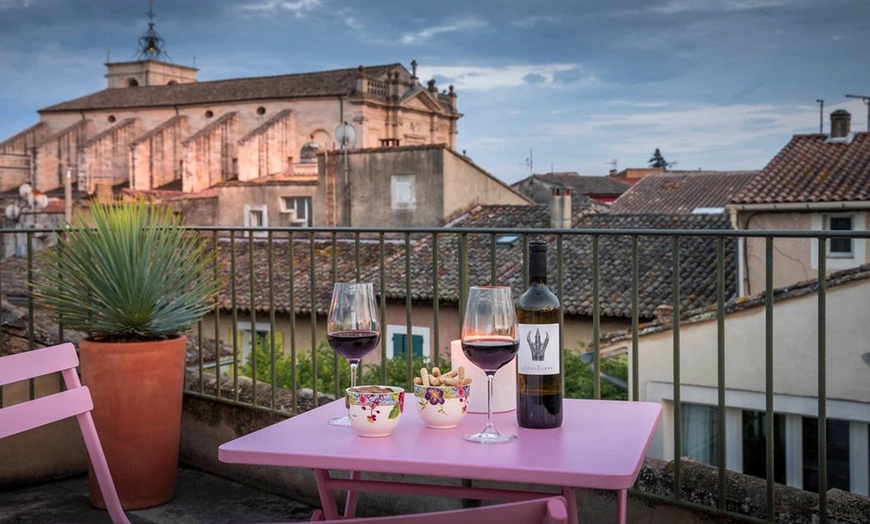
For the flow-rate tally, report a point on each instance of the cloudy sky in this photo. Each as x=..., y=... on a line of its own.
x=715, y=84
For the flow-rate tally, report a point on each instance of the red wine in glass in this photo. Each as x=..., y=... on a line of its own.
x=353, y=345
x=490, y=353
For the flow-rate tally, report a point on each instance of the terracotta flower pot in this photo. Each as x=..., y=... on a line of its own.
x=137, y=390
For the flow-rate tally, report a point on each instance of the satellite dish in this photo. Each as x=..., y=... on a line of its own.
x=346, y=135
x=24, y=190
x=12, y=212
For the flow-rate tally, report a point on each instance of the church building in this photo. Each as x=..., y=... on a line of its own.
x=157, y=129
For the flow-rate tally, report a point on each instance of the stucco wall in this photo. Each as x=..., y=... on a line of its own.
x=795, y=357
x=465, y=184
x=793, y=258
x=372, y=190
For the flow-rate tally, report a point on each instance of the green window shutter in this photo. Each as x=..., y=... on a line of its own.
x=400, y=345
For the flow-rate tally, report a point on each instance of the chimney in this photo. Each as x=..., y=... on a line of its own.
x=841, y=123
x=560, y=208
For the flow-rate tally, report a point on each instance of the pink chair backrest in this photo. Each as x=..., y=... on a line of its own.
x=551, y=510
x=75, y=401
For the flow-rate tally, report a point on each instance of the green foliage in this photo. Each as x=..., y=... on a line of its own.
x=579, y=380
x=658, y=160
x=396, y=368
x=130, y=273
x=578, y=377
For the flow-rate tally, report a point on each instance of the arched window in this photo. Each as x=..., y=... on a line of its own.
x=171, y=83
x=132, y=82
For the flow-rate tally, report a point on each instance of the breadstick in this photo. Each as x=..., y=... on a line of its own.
x=461, y=372
x=436, y=372
x=465, y=381
x=449, y=381
x=418, y=381
x=424, y=377
x=452, y=374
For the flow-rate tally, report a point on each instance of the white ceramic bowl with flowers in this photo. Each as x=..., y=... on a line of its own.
x=374, y=411
x=442, y=407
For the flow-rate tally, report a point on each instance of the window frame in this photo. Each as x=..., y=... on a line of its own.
x=402, y=329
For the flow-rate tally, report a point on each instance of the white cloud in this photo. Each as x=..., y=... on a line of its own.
x=530, y=21
x=683, y=6
x=485, y=78
x=14, y=4
x=298, y=7
x=429, y=32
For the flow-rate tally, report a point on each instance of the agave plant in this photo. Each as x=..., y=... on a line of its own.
x=128, y=272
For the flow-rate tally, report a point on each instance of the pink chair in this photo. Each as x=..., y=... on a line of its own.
x=551, y=510
x=75, y=401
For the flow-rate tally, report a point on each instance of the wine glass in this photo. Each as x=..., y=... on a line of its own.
x=490, y=340
x=352, y=328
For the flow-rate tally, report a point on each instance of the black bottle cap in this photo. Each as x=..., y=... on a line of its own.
x=537, y=246
x=538, y=259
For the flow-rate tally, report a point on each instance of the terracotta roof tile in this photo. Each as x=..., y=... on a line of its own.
x=680, y=192
x=697, y=258
x=301, y=85
x=812, y=169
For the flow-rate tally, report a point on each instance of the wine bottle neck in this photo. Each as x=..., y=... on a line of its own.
x=538, y=266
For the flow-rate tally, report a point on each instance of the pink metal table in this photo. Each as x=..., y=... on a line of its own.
x=600, y=445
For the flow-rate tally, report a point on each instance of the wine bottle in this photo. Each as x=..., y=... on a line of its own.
x=539, y=361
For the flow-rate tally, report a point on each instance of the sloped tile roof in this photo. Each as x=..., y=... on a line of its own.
x=697, y=258
x=239, y=253
x=679, y=192
x=812, y=169
x=301, y=85
x=586, y=185
x=859, y=274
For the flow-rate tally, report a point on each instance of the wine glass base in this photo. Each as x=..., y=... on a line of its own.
x=343, y=422
x=490, y=438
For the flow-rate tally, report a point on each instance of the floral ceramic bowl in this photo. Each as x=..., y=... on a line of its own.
x=441, y=407
x=374, y=411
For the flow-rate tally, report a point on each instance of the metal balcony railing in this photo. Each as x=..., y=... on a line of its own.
x=278, y=281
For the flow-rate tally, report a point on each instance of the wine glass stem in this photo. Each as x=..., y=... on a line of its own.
x=490, y=427
x=353, y=374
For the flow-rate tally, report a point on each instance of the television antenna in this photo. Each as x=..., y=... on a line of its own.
x=530, y=162
x=866, y=100
x=821, y=103
x=612, y=165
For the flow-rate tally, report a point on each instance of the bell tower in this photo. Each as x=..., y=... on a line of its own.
x=152, y=66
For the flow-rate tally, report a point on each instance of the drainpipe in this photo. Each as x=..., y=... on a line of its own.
x=67, y=195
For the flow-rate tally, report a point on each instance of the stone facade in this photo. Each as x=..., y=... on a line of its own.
x=156, y=125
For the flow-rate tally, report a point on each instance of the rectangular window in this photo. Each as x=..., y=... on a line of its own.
x=301, y=206
x=397, y=341
x=837, y=436
x=403, y=192
x=400, y=345
x=256, y=217
x=755, y=445
x=840, y=247
x=700, y=432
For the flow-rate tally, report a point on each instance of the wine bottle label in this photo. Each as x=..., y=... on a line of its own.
x=540, y=349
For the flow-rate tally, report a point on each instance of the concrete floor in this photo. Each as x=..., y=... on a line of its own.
x=201, y=498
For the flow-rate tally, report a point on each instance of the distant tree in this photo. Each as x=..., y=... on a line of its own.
x=658, y=160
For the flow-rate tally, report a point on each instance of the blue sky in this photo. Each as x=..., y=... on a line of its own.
x=715, y=84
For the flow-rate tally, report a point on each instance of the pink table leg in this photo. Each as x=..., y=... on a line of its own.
x=327, y=499
x=621, y=506
x=571, y=498
x=350, y=501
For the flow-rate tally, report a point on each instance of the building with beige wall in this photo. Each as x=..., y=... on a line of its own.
x=795, y=382
x=816, y=183
x=155, y=126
